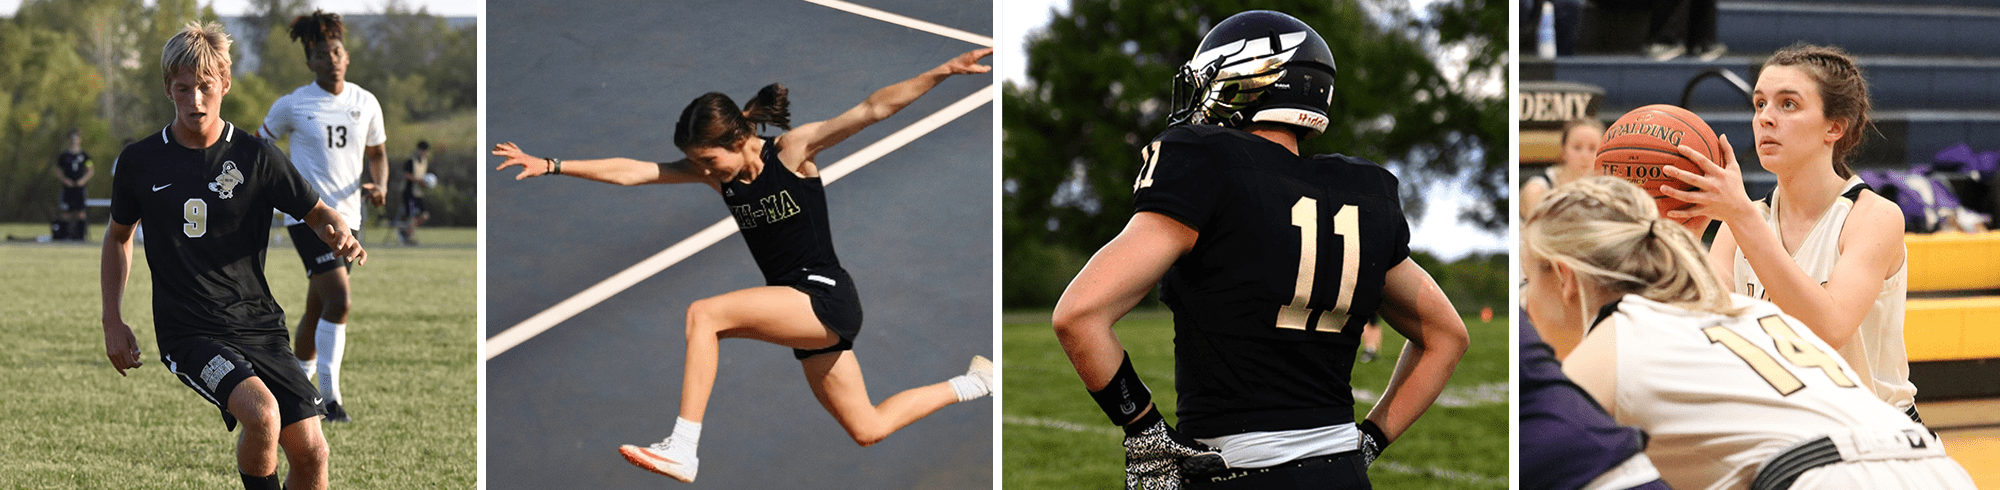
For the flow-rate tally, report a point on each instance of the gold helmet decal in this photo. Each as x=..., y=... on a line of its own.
x=225, y=184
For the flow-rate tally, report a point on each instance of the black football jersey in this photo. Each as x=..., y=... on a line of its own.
x=206, y=215
x=783, y=219
x=1289, y=265
x=72, y=164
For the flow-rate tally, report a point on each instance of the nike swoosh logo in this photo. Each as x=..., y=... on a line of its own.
x=316, y=401
x=158, y=187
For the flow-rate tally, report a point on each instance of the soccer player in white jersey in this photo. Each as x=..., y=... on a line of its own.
x=334, y=128
x=1823, y=246
x=1734, y=393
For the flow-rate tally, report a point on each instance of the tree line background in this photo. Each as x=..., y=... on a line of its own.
x=94, y=65
x=1421, y=91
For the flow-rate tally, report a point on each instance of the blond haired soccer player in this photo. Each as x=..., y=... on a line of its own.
x=335, y=129
x=808, y=303
x=1733, y=392
x=207, y=190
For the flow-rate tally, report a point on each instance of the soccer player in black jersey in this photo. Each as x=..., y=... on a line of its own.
x=808, y=303
x=74, y=170
x=1272, y=263
x=207, y=190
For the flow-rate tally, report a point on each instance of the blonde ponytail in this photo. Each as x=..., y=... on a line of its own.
x=1608, y=232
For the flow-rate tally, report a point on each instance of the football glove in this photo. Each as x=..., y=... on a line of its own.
x=1156, y=455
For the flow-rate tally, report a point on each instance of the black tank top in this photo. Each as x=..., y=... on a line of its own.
x=784, y=220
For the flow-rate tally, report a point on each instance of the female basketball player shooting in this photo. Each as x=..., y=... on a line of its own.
x=1826, y=248
x=1735, y=393
x=809, y=303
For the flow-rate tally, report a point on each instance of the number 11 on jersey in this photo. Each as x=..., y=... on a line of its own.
x=1347, y=225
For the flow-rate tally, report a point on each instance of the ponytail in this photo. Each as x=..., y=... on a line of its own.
x=1611, y=235
x=770, y=107
x=713, y=121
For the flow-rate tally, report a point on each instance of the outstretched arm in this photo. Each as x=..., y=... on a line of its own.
x=621, y=171
x=806, y=141
x=1415, y=307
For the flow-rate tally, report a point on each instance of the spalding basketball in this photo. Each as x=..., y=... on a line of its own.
x=1644, y=141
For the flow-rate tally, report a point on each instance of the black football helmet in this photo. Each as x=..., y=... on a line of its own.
x=1256, y=66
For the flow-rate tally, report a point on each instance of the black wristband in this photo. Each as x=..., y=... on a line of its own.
x=1125, y=396
x=1144, y=422
x=1381, y=440
x=555, y=166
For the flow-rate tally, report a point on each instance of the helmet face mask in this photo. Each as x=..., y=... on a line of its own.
x=1256, y=66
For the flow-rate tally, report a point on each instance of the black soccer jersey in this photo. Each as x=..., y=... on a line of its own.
x=784, y=220
x=72, y=164
x=207, y=221
x=1290, y=263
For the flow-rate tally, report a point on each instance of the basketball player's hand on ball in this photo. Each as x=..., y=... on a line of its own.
x=1718, y=194
x=1157, y=456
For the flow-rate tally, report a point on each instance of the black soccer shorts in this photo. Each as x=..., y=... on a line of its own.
x=317, y=256
x=72, y=200
x=214, y=368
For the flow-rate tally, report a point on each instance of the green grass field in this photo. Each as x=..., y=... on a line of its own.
x=1054, y=437
x=70, y=421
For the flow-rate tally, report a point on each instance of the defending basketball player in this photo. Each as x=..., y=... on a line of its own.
x=1823, y=246
x=1733, y=392
x=1273, y=263
x=809, y=303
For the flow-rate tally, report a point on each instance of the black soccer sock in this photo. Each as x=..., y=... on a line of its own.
x=82, y=231
x=261, y=482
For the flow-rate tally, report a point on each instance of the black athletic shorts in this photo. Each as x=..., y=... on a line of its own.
x=214, y=368
x=413, y=207
x=72, y=199
x=1342, y=470
x=317, y=256
x=837, y=304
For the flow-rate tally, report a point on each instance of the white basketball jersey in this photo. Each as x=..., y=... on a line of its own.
x=1876, y=352
x=329, y=135
x=1721, y=395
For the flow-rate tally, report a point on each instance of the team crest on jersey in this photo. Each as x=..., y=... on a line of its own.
x=356, y=114
x=225, y=184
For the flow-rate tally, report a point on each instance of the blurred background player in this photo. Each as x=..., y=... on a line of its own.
x=416, y=177
x=1823, y=246
x=1567, y=441
x=1580, y=139
x=809, y=303
x=1733, y=392
x=1265, y=330
x=73, y=168
x=335, y=128
x=209, y=189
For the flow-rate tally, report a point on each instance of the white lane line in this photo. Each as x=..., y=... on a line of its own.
x=568, y=308
x=1446, y=474
x=907, y=22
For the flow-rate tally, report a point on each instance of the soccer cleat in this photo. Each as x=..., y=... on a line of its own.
x=336, y=414
x=655, y=459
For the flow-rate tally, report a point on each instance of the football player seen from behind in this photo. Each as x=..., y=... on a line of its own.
x=1266, y=330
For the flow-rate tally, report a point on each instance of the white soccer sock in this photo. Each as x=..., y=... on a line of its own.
x=310, y=366
x=687, y=436
x=331, y=339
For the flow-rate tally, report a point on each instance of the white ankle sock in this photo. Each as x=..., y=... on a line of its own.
x=331, y=340
x=968, y=387
x=686, y=438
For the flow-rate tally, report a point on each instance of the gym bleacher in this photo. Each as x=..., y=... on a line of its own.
x=1933, y=68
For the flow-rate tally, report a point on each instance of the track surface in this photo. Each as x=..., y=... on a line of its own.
x=607, y=79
